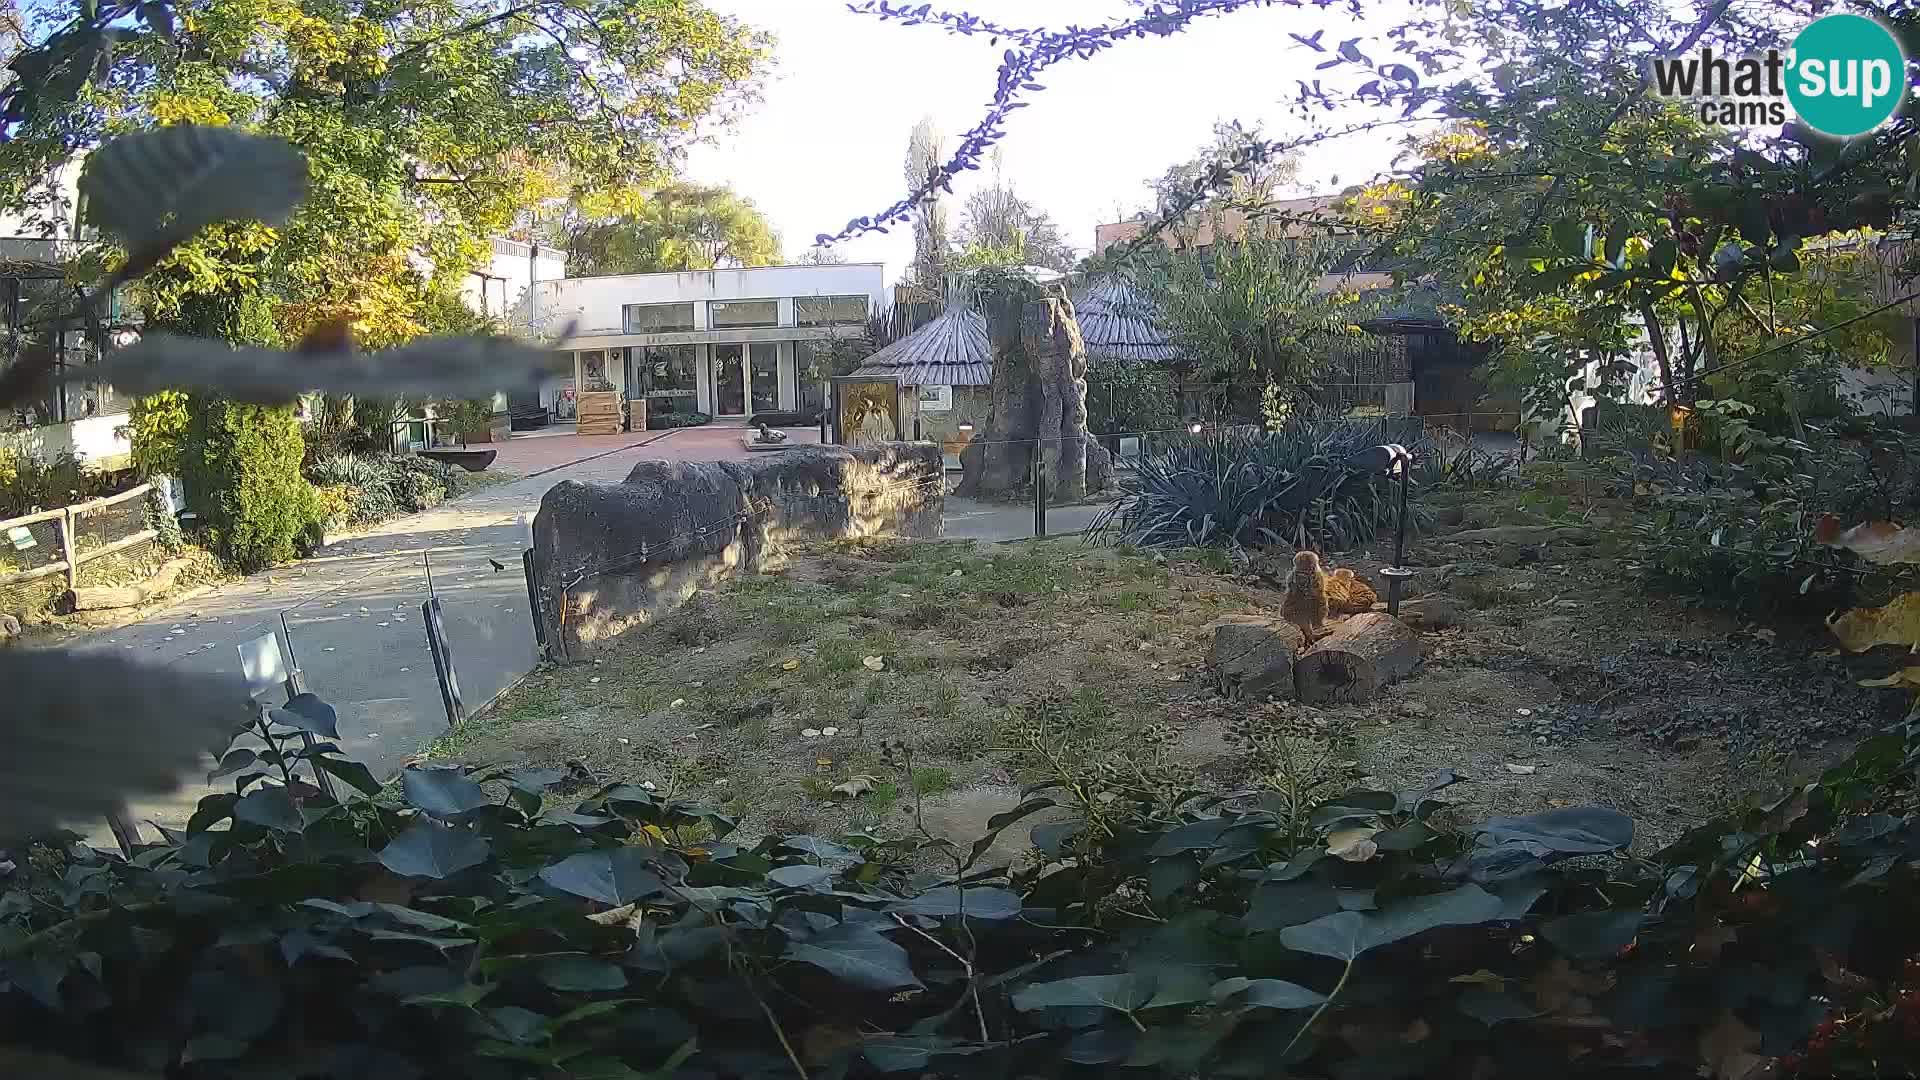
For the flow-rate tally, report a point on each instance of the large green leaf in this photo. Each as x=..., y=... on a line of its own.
x=799, y=875
x=1347, y=934
x=1126, y=992
x=349, y=770
x=975, y=903
x=912, y=1053
x=1266, y=994
x=582, y=973
x=1593, y=935
x=308, y=713
x=442, y=792
x=859, y=954
x=271, y=806
x=1572, y=830
x=615, y=877
x=429, y=849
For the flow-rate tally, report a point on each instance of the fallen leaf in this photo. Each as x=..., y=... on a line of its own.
x=855, y=787
x=1353, y=844
x=829, y=731
x=874, y=663
x=1907, y=678
x=1882, y=542
x=1521, y=770
x=1728, y=1049
x=1483, y=977
x=1844, y=982
x=676, y=703
x=1897, y=623
x=791, y=665
x=809, y=733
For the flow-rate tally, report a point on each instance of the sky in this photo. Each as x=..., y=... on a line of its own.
x=828, y=141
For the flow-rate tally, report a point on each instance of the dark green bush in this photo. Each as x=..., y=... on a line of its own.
x=490, y=926
x=1238, y=488
x=241, y=466
x=663, y=421
x=389, y=485
x=1125, y=398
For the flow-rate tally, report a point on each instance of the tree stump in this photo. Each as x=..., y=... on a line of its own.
x=1363, y=654
x=1253, y=657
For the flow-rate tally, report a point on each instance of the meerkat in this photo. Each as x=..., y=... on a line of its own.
x=1349, y=594
x=1305, y=604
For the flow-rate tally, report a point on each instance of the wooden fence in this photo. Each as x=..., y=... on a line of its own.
x=71, y=557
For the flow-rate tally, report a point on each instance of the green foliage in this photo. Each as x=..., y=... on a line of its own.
x=476, y=919
x=1123, y=397
x=1295, y=486
x=1254, y=307
x=382, y=486
x=1736, y=553
x=663, y=421
x=29, y=483
x=155, y=427
x=680, y=226
x=241, y=467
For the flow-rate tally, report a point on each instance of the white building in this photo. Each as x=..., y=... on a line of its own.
x=728, y=343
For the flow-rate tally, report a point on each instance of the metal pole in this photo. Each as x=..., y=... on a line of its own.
x=533, y=601
x=426, y=560
x=1398, y=574
x=296, y=685
x=1039, y=490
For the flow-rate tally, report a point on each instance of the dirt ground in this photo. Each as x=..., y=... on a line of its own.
x=786, y=697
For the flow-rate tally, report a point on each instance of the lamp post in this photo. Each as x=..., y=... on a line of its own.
x=1394, y=460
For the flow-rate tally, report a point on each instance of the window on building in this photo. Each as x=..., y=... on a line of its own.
x=658, y=318
x=664, y=375
x=742, y=314
x=829, y=310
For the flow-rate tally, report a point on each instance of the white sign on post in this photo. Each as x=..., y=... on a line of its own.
x=262, y=663
x=936, y=399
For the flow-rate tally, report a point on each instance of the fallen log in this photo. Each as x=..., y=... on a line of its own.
x=107, y=597
x=1362, y=655
x=1253, y=657
x=1521, y=534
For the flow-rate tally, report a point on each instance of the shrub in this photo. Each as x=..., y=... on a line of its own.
x=28, y=483
x=1235, y=488
x=1732, y=552
x=1124, y=398
x=241, y=465
x=663, y=421
x=156, y=427
x=488, y=925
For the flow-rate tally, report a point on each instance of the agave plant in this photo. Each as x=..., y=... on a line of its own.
x=1294, y=487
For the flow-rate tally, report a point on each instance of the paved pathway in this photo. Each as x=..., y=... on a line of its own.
x=353, y=612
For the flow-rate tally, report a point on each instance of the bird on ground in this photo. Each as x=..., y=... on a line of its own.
x=497, y=564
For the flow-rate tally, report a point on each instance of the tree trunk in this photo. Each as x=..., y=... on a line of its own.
x=1362, y=655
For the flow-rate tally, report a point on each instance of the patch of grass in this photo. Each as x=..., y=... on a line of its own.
x=1135, y=600
x=931, y=780
x=836, y=655
x=965, y=736
x=944, y=701
x=1089, y=705
x=818, y=788
x=883, y=798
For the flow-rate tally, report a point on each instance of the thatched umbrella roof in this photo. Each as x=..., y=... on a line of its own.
x=1117, y=323
x=952, y=350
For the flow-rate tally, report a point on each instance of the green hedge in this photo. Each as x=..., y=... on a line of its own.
x=526, y=922
x=664, y=421
x=241, y=467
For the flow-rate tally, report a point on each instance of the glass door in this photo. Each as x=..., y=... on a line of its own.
x=729, y=380
x=765, y=356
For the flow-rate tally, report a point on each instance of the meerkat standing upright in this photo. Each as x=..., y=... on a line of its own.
x=1305, y=603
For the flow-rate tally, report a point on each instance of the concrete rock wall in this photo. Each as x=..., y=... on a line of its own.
x=609, y=557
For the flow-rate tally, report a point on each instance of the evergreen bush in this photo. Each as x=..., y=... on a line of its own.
x=241, y=464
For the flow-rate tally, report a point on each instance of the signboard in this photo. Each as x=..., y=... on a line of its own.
x=21, y=538
x=262, y=663
x=936, y=399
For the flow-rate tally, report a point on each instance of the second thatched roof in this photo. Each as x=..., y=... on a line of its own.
x=952, y=350
x=1117, y=322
